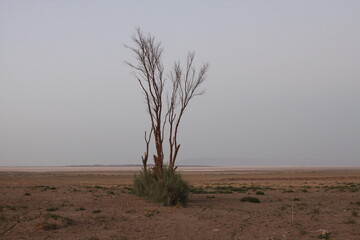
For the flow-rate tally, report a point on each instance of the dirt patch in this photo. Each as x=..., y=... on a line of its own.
x=98, y=205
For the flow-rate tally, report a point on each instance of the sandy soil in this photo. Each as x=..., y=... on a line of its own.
x=294, y=204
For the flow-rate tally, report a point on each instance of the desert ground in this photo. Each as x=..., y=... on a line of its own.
x=97, y=203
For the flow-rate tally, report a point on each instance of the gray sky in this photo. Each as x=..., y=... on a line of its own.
x=283, y=87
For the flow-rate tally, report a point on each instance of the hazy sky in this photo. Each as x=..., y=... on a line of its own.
x=283, y=86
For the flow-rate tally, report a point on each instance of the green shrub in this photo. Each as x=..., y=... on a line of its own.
x=250, y=199
x=169, y=191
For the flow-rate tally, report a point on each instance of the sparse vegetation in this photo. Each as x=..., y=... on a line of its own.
x=228, y=189
x=45, y=188
x=325, y=235
x=151, y=213
x=67, y=221
x=350, y=221
x=219, y=203
x=316, y=211
x=288, y=191
x=9, y=207
x=52, y=209
x=250, y=199
x=47, y=226
x=169, y=191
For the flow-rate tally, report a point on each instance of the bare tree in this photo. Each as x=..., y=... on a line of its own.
x=184, y=88
x=149, y=72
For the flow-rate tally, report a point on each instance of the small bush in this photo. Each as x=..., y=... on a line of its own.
x=47, y=226
x=260, y=193
x=10, y=207
x=325, y=235
x=198, y=190
x=250, y=199
x=52, y=209
x=169, y=191
x=67, y=221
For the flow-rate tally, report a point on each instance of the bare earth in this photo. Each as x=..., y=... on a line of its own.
x=295, y=203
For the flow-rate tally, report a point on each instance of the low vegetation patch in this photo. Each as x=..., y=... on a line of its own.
x=45, y=188
x=228, y=190
x=151, y=213
x=346, y=187
x=169, y=191
x=316, y=211
x=250, y=199
x=47, y=226
x=52, y=209
x=350, y=221
x=325, y=235
x=8, y=207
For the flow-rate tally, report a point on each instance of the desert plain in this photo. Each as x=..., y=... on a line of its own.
x=97, y=203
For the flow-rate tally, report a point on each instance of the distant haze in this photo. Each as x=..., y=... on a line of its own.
x=283, y=87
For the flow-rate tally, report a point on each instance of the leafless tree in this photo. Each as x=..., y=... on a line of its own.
x=146, y=153
x=184, y=88
x=149, y=72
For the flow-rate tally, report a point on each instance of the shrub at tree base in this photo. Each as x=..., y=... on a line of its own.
x=169, y=191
